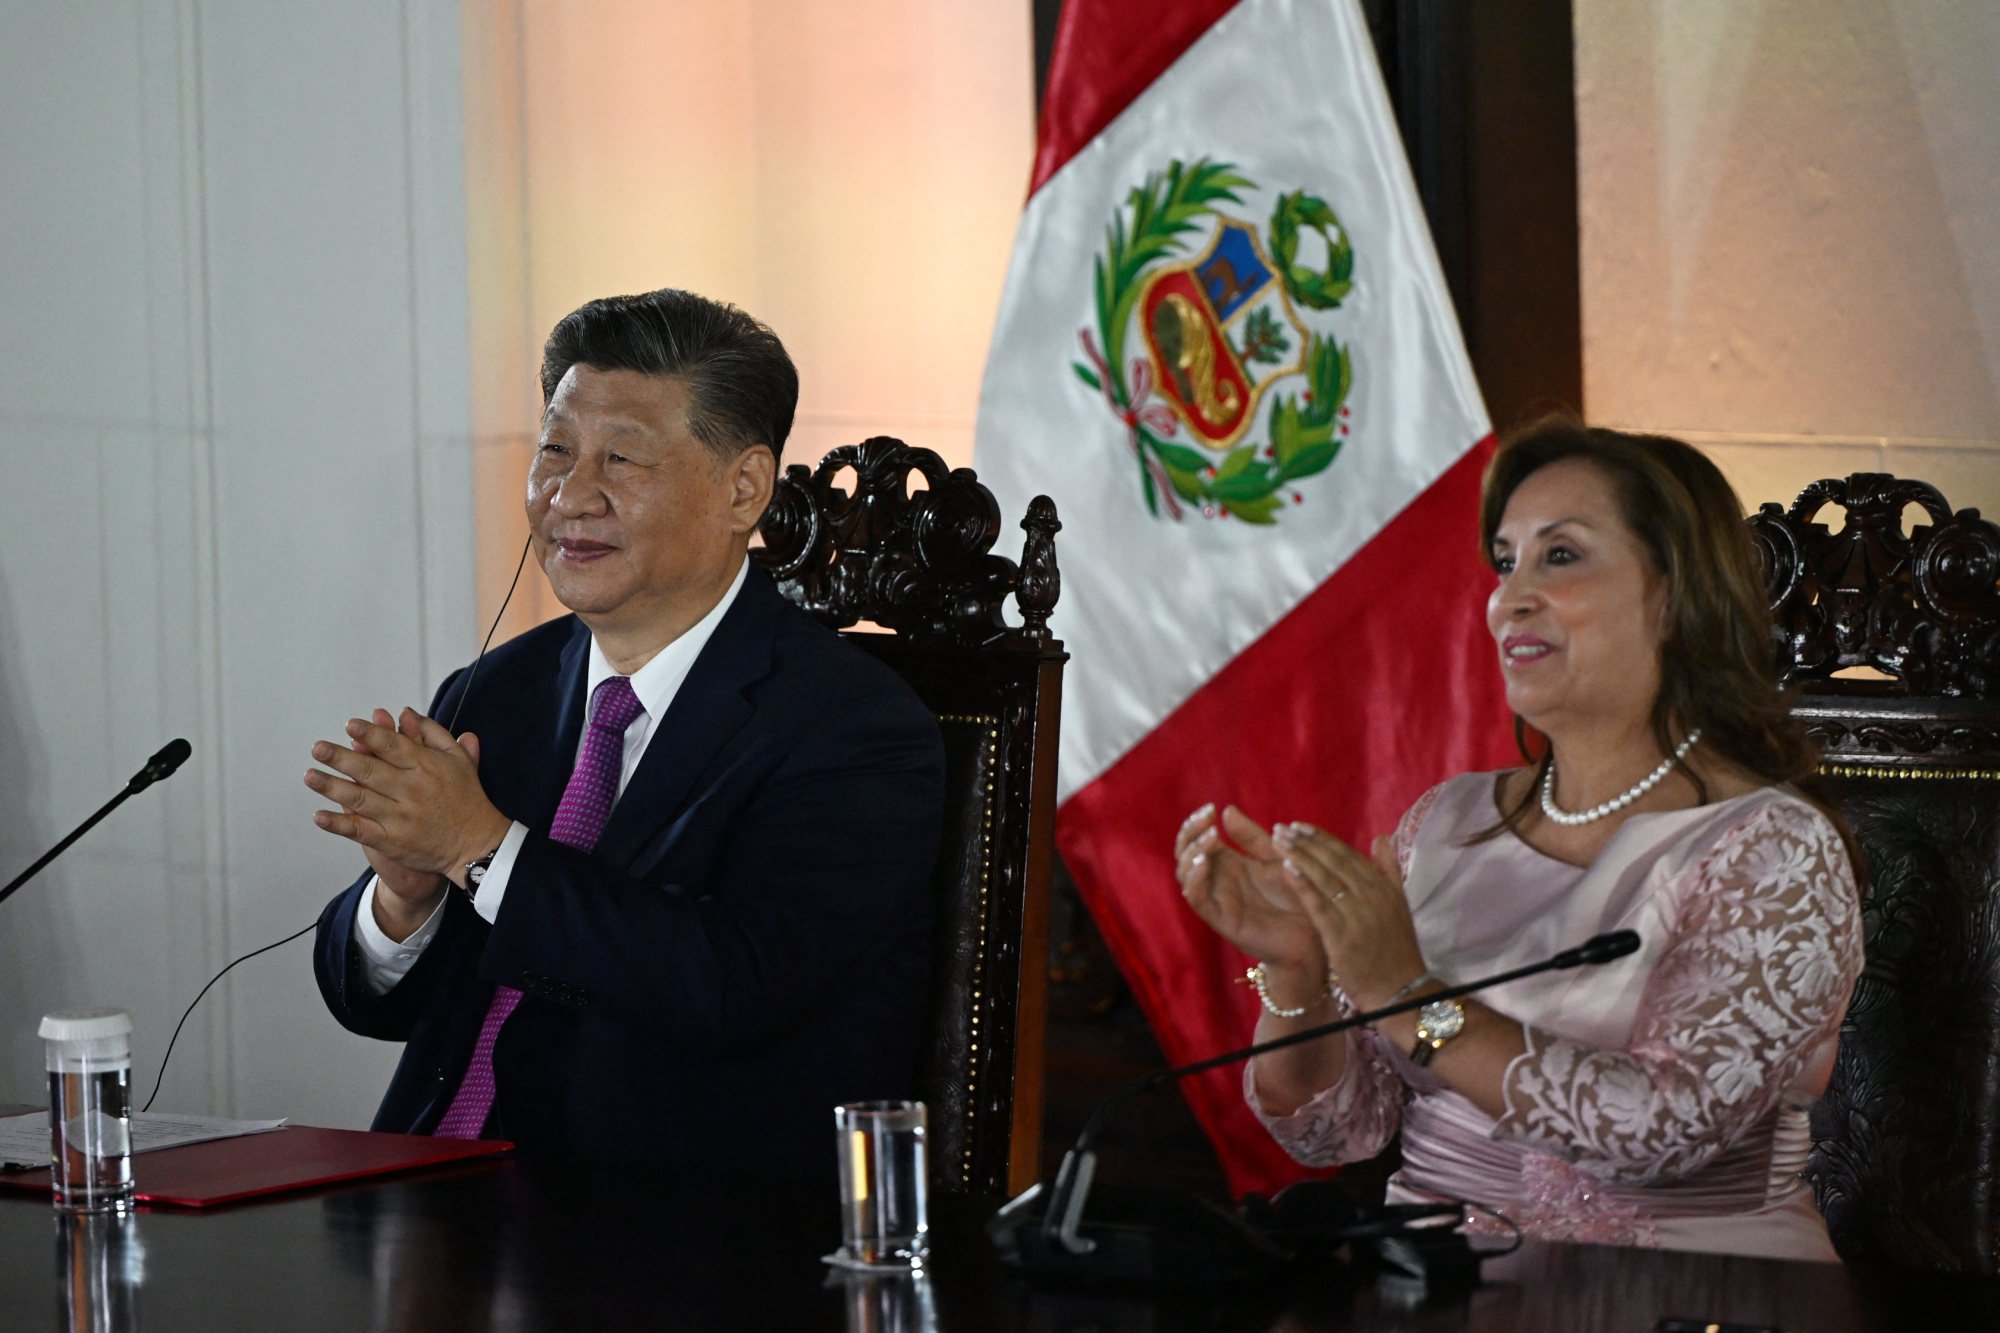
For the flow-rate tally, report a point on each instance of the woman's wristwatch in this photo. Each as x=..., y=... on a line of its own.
x=1437, y=1023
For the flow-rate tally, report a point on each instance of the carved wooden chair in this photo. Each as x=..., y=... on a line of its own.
x=882, y=532
x=1894, y=637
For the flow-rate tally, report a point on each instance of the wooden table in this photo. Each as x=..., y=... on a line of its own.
x=517, y=1244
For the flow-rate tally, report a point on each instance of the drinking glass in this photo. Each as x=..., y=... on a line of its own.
x=884, y=1185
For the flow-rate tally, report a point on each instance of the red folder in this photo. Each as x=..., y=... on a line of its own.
x=297, y=1157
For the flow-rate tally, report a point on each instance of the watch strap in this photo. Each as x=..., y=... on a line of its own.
x=1437, y=1023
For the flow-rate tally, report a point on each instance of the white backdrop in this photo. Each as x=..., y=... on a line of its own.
x=234, y=433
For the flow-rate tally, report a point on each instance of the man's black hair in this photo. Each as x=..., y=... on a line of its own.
x=742, y=387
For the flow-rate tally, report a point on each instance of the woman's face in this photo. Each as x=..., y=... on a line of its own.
x=1579, y=610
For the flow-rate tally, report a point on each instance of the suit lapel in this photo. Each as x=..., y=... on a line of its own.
x=710, y=707
x=573, y=668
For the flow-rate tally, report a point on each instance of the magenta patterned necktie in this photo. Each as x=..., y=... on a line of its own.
x=579, y=823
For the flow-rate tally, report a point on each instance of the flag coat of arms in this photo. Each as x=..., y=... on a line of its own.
x=1226, y=349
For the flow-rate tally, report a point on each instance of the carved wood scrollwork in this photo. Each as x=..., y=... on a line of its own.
x=1921, y=606
x=917, y=563
x=1902, y=1137
x=1837, y=738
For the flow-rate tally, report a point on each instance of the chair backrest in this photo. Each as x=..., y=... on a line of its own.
x=1906, y=1153
x=850, y=541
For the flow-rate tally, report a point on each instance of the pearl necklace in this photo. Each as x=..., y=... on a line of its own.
x=1616, y=803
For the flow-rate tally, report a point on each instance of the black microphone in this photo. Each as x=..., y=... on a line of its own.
x=1597, y=949
x=1054, y=1242
x=170, y=757
x=162, y=765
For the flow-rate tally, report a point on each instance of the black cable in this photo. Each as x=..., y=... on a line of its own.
x=1502, y=1219
x=469, y=675
x=197, y=1000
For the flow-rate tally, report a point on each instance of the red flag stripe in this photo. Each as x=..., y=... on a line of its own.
x=1331, y=717
x=1105, y=54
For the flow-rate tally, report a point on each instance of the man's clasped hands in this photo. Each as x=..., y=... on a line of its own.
x=409, y=794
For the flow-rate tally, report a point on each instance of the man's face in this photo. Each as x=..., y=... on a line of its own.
x=639, y=525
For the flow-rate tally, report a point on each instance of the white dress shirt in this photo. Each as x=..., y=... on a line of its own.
x=384, y=962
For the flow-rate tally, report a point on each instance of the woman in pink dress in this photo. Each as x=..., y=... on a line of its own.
x=1658, y=1100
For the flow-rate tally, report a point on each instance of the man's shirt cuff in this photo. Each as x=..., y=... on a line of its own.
x=493, y=885
x=384, y=962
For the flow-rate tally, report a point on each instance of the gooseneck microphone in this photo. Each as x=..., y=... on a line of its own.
x=1055, y=1241
x=162, y=765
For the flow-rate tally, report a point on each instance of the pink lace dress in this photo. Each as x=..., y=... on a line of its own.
x=1662, y=1100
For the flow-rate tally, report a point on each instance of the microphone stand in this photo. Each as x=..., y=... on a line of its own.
x=1064, y=1213
x=170, y=757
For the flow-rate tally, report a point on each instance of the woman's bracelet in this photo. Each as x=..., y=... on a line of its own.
x=1407, y=989
x=1255, y=976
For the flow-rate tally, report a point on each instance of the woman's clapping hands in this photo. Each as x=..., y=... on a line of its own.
x=1301, y=901
x=1240, y=890
x=1357, y=909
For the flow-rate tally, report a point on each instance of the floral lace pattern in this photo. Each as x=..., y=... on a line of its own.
x=1763, y=956
x=1559, y=1201
x=1405, y=839
x=1353, y=1119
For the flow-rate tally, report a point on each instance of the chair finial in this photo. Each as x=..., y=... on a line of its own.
x=1041, y=580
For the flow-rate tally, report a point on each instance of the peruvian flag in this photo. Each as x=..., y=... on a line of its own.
x=1226, y=349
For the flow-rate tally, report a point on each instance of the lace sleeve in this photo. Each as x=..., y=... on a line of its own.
x=1353, y=1119
x=1404, y=840
x=1764, y=955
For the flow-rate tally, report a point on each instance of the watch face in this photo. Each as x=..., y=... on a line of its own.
x=1443, y=1020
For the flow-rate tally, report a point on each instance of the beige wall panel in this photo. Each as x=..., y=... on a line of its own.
x=894, y=139
x=640, y=151
x=1790, y=215
x=1765, y=470
x=1968, y=477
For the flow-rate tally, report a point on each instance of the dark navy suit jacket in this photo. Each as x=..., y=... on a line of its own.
x=747, y=946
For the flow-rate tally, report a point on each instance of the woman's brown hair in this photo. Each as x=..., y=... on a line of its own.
x=1718, y=659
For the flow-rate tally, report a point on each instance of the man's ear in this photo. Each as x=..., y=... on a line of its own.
x=753, y=474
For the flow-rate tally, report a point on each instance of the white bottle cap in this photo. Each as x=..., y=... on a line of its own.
x=86, y=1025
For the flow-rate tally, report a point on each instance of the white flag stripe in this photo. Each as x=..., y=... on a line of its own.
x=1288, y=92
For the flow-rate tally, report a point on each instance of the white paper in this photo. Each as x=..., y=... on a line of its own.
x=24, y=1139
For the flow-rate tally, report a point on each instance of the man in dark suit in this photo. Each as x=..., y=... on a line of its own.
x=663, y=897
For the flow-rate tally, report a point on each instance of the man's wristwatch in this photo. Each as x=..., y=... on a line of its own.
x=475, y=871
x=1437, y=1023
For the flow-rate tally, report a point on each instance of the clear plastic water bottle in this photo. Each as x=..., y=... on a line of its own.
x=90, y=1109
